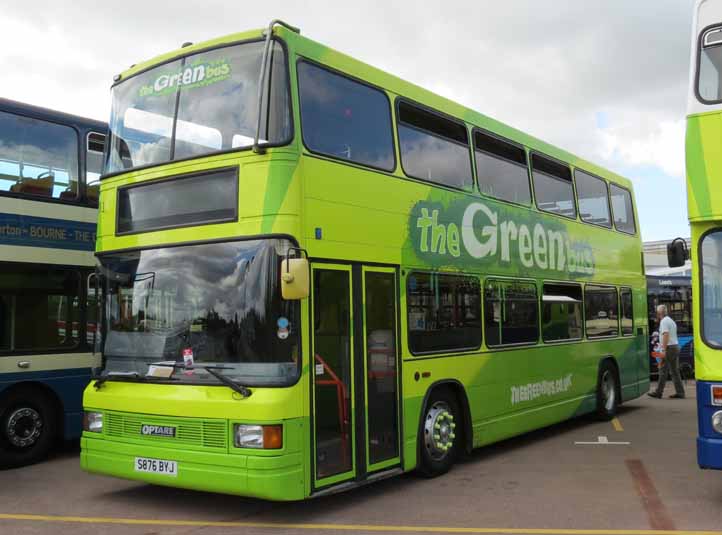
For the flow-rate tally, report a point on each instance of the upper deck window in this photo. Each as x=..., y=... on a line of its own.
x=95, y=148
x=622, y=209
x=553, y=186
x=710, y=67
x=38, y=158
x=593, y=199
x=502, y=169
x=345, y=119
x=434, y=148
x=199, y=104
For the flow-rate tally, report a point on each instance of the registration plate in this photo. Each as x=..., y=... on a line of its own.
x=156, y=466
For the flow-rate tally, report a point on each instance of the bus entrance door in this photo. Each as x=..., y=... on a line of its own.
x=354, y=373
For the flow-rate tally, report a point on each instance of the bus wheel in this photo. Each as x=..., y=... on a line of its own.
x=607, y=391
x=438, y=442
x=27, y=428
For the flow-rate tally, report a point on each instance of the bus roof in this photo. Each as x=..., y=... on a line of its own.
x=306, y=47
x=21, y=108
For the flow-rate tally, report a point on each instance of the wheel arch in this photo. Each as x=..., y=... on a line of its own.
x=460, y=392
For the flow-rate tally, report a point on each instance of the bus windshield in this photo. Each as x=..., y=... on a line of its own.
x=198, y=104
x=216, y=304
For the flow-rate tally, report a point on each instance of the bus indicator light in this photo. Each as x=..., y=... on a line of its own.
x=716, y=394
x=272, y=437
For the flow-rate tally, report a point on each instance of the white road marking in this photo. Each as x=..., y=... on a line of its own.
x=604, y=441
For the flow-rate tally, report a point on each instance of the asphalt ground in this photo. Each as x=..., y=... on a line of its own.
x=637, y=474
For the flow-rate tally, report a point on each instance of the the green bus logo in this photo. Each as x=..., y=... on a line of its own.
x=189, y=77
x=469, y=232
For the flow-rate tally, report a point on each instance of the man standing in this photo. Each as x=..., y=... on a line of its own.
x=670, y=349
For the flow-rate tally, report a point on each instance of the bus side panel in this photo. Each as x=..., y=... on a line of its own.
x=515, y=391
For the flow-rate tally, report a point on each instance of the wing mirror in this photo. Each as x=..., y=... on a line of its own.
x=295, y=275
x=677, y=252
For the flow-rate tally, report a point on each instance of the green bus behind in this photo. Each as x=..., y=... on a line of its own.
x=468, y=282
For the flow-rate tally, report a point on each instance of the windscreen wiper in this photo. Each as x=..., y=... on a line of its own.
x=211, y=369
x=101, y=379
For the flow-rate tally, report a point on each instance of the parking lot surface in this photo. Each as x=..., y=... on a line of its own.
x=635, y=474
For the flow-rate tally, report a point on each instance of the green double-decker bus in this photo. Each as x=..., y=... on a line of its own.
x=704, y=203
x=316, y=275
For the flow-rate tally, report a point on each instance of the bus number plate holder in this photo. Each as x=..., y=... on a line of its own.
x=156, y=466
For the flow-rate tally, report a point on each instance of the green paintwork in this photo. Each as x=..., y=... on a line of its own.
x=704, y=204
x=382, y=218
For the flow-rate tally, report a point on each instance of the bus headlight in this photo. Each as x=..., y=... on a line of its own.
x=717, y=422
x=93, y=422
x=268, y=437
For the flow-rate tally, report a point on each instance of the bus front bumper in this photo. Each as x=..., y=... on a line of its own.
x=709, y=453
x=709, y=441
x=279, y=477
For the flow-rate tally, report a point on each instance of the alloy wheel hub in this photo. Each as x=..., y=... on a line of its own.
x=24, y=427
x=439, y=432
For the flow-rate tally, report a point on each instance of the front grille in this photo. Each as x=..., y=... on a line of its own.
x=190, y=432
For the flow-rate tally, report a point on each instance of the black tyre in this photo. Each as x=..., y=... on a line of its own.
x=28, y=427
x=607, y=391
x=440, y=433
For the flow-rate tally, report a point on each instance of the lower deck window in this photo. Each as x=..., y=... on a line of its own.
x=511, y=313
x=39, y=308
x=562, y=312
x=625, y=296
x=602, y=311
x=444, y=312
